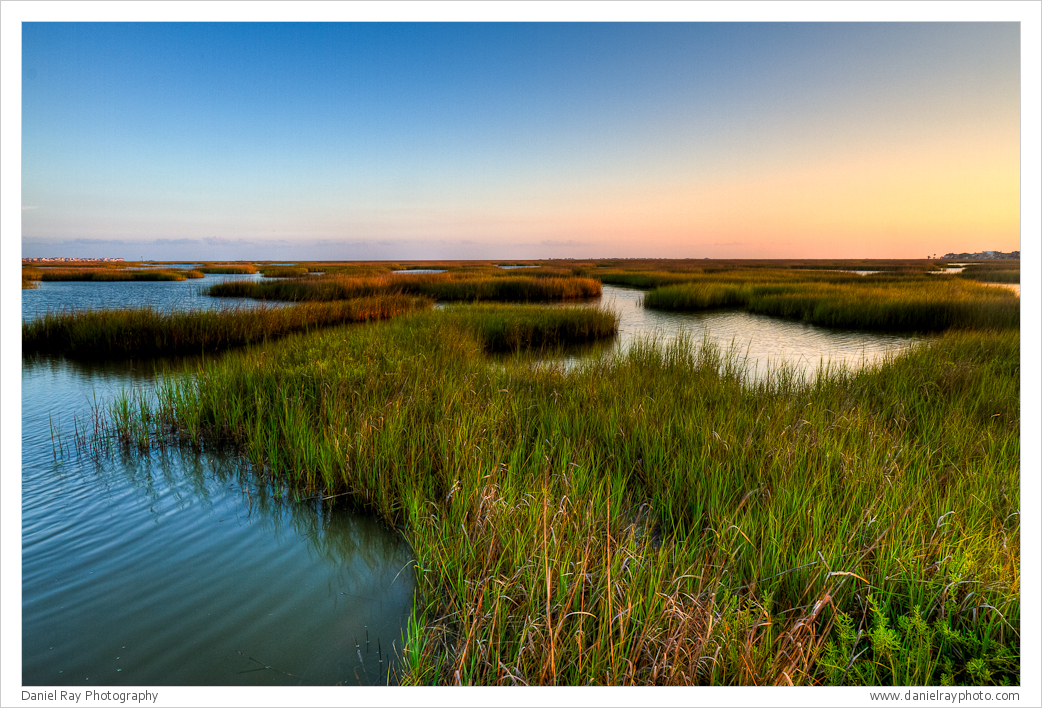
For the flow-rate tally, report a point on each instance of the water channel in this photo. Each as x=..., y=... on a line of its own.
x=185, y=569
x=764, y=344
x=178, y=568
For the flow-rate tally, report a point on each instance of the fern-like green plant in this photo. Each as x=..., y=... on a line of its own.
x=912, y=653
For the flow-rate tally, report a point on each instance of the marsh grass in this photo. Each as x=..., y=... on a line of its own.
x=459, y=286
x=919, y=303
x=510, y=328
x=638, y=275
x=30, y=278
x=992, y=272
x=650, y=518
x=512, y=288
x=146, y=332
x=284, y=271
x=228, y=269
x=646, y=280
x=680, y=267
x=353, y=269
x=113, y=274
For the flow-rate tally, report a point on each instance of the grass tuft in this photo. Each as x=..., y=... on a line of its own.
x=916, y=303
x=146, y=332
x=650, y=518
x=460, y=287
x=110, y=274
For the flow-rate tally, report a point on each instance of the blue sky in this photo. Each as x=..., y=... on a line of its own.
x=409, y=142
x=520, y=140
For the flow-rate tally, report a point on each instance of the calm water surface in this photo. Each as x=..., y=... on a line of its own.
x=1015, y=287
x=764, y=343
x=178, y=568
x=162, y=294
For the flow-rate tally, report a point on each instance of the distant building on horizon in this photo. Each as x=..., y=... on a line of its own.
x=986, y=255
x=71, y=260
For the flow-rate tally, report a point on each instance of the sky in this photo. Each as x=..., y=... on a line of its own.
x=868, y=138
x=385, y=141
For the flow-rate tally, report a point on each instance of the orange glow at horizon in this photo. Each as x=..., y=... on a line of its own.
x=944, y=195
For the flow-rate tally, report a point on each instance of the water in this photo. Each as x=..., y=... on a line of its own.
x=415, y=271
x=515, y=267
x=1015, y=287
x=189, y=569
x=176, y=568
x=765, y=343
x=162, y=295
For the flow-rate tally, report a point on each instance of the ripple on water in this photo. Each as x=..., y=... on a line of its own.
x=185, y=569
x=175, y=569
x=162, y=295
x=763, y=343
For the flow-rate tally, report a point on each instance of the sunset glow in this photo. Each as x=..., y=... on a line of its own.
x=368, y=140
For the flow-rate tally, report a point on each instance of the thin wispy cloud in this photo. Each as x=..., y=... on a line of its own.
x=95, y=241
x=556, y=244
x=176, y=242
x=27, y=208
x=221, y=241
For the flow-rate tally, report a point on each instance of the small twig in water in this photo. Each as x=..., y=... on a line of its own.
x=266, y=666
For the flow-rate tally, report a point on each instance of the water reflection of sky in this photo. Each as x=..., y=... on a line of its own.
x=1015, y=287
x=177, y=567
x=56, y=296
x=764, y=343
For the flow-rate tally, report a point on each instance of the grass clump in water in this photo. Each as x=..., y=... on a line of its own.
x=146, y=332
x=651, y=518
x=513, y=328
x=916, y=303
x=459, y=287
x=113, y=274
x=993, y=272
x=284, y=271
x=30, y=278
x=228, y=269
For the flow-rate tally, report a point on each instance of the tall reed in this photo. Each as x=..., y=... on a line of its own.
x=651, y=518
x=513, y=328
x=993, y=272
x=30, y=276
x=111, y=274
x=146, y=332
x=440, y=286
x=284, y=271
x=228, y=269
x=896, y=303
